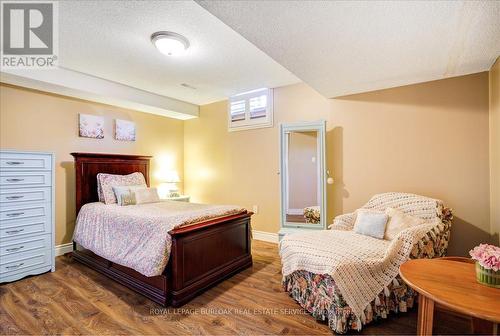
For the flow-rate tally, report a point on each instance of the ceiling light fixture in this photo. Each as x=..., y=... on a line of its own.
x=170, y=43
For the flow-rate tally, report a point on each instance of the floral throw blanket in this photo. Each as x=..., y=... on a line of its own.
x=137, y=236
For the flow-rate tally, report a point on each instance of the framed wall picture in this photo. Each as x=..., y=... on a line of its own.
x=124, y=130
x=91, y=126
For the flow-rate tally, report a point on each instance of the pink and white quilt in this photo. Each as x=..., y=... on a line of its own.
x=137, y=236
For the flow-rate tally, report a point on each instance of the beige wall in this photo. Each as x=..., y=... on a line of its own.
x=430, y=138
x=495, y=148
x=31, y=120
x=302, y=170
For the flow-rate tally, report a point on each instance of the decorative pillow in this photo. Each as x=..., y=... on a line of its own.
x=108, y=181
x=399, y=221
x=146, y=195
x=370, y=223
x=99, y=191
x=125, y=194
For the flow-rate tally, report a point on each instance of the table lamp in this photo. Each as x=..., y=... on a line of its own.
x=172, y=178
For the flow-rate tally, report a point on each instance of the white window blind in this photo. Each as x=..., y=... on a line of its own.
x=258, y=106
x=253, y=109
x=237, y=110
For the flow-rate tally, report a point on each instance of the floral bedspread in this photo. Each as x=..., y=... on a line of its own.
x=320, y=296
x=137, y=236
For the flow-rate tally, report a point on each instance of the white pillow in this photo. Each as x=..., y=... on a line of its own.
x=146, y=195
x=125, y=194
x=399, y=221
x=370, y=223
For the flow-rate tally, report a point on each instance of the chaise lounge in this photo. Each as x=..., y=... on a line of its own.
x=326, y=292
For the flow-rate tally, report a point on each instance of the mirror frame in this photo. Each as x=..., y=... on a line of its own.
x=316, y=126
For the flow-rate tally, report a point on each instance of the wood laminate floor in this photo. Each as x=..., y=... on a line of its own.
x=77, y=300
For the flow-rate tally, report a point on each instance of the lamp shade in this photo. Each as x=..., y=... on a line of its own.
x=172, y=177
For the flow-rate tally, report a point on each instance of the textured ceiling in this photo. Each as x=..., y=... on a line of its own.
x=344, y=47
x=111, y=40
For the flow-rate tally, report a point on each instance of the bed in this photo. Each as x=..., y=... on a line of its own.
x=195, y=262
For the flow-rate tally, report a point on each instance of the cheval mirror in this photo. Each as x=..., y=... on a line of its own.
x=303, y=177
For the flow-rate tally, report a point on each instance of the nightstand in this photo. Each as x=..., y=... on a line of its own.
x=182, y=198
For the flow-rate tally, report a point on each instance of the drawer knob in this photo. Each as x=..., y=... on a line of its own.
x=14, y=266
x=13, y=197
x=15, y=214
x=15, y=180
x=14, y=249
x=15, y=163
x=15, y=231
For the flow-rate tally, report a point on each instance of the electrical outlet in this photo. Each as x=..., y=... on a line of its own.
x=255, y=209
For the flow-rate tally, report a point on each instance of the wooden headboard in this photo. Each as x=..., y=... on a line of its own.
x=88, y=165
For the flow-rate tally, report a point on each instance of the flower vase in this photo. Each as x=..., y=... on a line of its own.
x=487, y=277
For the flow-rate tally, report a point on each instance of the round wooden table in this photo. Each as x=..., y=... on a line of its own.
x=451, y=284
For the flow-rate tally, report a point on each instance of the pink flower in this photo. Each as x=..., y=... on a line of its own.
x=487, y=256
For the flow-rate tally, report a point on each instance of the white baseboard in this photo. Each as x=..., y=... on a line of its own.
x=64, y=248
x=265, y=236
x=295, y=212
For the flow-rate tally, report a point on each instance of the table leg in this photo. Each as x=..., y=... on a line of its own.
x=425, y=315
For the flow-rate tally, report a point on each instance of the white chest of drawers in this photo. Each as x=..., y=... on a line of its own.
x=26, y=214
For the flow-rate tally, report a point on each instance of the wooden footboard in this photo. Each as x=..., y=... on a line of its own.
x=207, y=253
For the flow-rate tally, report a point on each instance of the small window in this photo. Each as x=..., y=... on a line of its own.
x=253, y=109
